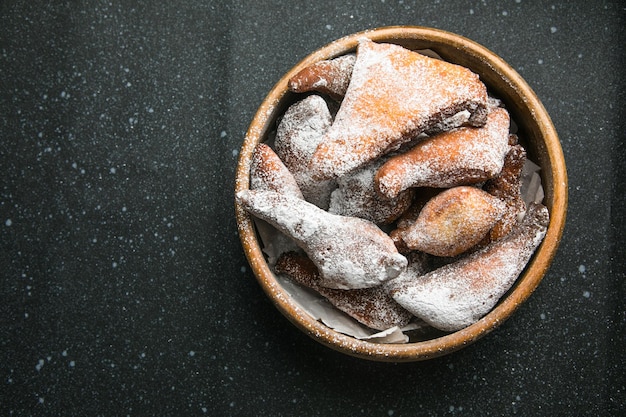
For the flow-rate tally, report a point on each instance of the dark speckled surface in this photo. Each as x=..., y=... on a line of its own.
x=124, y=289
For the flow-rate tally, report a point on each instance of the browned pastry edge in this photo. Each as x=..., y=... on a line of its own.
x=356, y=196
x=299, y=131
x=372, y=307
x=507, y=183
x=387, y=104
x=460, y=293
x=421, y=196
x=330, y=77
x=507, y=187
x=457, y=157
x=268, y=172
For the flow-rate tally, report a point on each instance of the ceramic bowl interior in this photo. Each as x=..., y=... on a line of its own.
x=536, y=132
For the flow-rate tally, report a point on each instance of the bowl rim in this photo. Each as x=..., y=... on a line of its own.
x=514, y=85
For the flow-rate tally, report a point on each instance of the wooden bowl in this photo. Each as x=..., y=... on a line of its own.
x=539, y=137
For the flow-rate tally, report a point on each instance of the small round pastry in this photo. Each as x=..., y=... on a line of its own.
x=452, y=222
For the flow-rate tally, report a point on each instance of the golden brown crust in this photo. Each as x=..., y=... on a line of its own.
x=330, y=77
x=458, y=294
x=507, y=187
x=267, y=172
x=507, y=183
x=458, y=157
x=394, y=95
x=421, y=196
x=452, y=222
x=372, y=307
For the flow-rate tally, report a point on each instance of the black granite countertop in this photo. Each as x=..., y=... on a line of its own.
x=124, y=288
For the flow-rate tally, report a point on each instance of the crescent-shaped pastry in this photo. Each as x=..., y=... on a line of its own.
x=330, y=76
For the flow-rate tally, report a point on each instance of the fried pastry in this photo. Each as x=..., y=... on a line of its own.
x=507, y=184
x=419, y=263
x=394, y=95
x=356, y=196
x=452, y=222
x=507, y=187
x=372, y=307
x=421, y=197
x=267, y=172
x=410, y=215
x=459, y=294
x=349, y=252
x=297, y=136
x=330, y=76
x=457, y=157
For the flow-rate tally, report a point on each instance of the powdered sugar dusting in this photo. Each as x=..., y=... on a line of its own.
x=330, y=77
x=349, y=252
x=297, y=137
x=457, y=295
x=380, y=115
x=462, y=156
x=394, y=95
x=372, y=307
x=356, y=195
x=267, y=172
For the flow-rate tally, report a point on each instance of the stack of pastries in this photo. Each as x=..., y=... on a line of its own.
x=394, y=182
